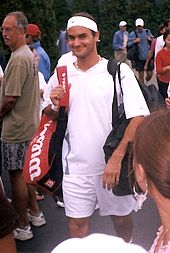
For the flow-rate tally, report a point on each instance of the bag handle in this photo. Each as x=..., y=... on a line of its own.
x=113, y=67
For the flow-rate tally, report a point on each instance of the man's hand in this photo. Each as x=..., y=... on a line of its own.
x=57, y=94
x=112, y=171
x=137, y=40
x=167, y=100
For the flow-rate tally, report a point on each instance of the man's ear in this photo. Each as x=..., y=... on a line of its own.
x=97, y=35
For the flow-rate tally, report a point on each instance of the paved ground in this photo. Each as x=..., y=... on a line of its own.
x=47, y=237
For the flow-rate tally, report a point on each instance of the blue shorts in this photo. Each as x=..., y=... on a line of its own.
x=139, y=65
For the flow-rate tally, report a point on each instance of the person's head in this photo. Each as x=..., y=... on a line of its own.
x=33, y=34
x=82, y=34
x=151, y=150
x=161, y=29
x=122, y=25
x=139, y=23
x=167, y=24
x=166, y=38
x=97, y=243
x=14, y=29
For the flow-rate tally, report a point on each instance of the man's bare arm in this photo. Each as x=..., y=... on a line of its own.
x=7, y=104
x=113, y=166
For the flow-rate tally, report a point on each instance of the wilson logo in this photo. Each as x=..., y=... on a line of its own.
x=34, y=164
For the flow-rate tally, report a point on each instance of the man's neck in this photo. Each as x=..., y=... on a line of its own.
x=16, y=47
x=86, y=63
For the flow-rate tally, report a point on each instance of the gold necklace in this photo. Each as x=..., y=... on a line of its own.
x=76, y=65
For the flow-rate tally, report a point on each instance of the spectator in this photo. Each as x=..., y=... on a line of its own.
x=160, y=42
x=83, y=157
x=163, y=66
x=167, y=100
x=151, y=164
x=8, y=222
x=33, y=39
x=42, y=82
x=19, y=114
x=97, y=243
x=151, y=53
x=3, y=61
x=1, y=74
x=62, y=43
x=144, y=38
x=120, y=40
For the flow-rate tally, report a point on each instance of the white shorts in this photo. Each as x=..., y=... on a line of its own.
x=83, y=193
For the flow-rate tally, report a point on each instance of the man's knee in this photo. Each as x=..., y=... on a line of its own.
x=121, y=220
x=78, y=227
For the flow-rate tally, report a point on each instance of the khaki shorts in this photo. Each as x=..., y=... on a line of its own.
x=83, y=193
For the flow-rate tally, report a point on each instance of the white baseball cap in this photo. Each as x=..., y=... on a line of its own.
x=122, y=23
x=139, y=22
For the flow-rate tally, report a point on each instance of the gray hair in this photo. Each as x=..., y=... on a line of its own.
x=21, y=19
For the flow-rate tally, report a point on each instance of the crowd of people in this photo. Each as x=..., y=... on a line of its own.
x=147, y=48
x=28, y=89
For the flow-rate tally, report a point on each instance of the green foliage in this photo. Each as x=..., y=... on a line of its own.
x=52, y=16
x=89, y=6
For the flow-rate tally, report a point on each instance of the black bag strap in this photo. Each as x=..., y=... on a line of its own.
x=113, y=67
x=136, y=34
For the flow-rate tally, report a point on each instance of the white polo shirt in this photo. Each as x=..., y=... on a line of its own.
x=90, y=115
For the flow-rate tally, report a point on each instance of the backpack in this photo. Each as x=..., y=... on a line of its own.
x=119, y=123
x=153, y=98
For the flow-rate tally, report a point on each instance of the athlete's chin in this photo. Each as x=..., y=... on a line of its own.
x=78, y=53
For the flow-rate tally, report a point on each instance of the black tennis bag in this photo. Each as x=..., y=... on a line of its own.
x=154, y=101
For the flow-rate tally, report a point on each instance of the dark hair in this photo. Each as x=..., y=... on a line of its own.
x=85, y=14
x=166, y=23
x=160, y=28
x=165, y=35
x=151, y=149
x=21, y=20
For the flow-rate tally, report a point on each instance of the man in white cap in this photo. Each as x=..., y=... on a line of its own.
x=143, y=38
x=87, y=180
x=120, y=40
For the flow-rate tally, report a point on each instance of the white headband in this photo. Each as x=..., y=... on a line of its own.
x=82, y=21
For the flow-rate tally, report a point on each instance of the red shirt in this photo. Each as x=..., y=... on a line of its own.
x=163, y=60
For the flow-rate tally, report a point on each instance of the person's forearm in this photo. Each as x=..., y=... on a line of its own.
x=50, y=113
x=6, y=107
x=128, y=135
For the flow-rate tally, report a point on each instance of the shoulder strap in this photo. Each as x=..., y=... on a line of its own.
x=136, y=34
x=113, y=68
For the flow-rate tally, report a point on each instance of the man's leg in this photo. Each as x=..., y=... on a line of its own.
x=79, y=227
x=35, y=216
x=119, y=208
x=32, y=202
x=149, y=74
x=141, y=76
x=20, y=196
x=123, y=226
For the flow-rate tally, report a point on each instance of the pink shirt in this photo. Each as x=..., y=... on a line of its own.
x=162, y=249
